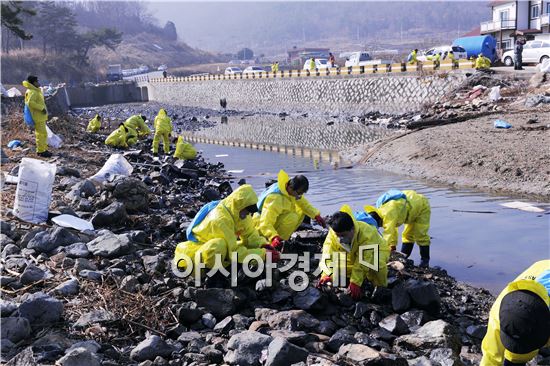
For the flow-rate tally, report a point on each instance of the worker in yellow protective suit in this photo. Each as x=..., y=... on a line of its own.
x=273, y=67
x=282, y=208
x=412, y=57
x=396, y=208
x=163, y=129
x=519, y=321
x=122, y=137
x=482, y=62
x=222, y=228
x=312, y=65
x=358, y=241
x=137, y=123
x=184, y=150
x=34, y=101
x=95, y=124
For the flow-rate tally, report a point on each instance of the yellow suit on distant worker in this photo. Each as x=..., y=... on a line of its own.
x=163, y=128
x=280, y=213
x=184, y=150
x=34, y=99
x=118, y=138
x=364, y=234
x=137, y=123
x=220, y=230
x=94, y=125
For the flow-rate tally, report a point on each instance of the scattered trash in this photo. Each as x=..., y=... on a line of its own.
x=535, y=100
x=236, y=171
x=502, y=124
x=34, y=190
x=13, y=92
x=494, y=94
x=115, y=165
x=73, y=222
x=53, y=140
x=523, y=206
x=10, y=179
x=14, y=143
x=222, y=155
x=544, y=66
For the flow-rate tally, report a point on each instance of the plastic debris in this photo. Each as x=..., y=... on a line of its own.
x=14, y=143
x=523, y=206
x=115, y=165
x=502, y=124
x=73, y=222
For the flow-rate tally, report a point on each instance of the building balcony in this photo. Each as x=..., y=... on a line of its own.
x=545, y=19
x=495, y=26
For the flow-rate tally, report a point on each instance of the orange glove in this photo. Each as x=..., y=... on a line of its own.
x=355, y=291
x=277, y=242
x=275, y=255
x=323, y=280
x=320, y=221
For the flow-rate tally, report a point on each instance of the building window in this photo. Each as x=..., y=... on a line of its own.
x=548, y=8
x=504, y=14
x=506, y=44
x=534, y=11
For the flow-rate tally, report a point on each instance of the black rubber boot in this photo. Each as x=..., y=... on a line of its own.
x=407, y=248
x=425, y=256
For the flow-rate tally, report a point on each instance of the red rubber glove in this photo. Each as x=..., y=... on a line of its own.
x=277, y=242
x=275, y=255
x=320, y=221
x=355, y=291
x=323, y=280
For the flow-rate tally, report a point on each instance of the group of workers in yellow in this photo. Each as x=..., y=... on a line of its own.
x=481, y=62
x=243, y=224
x=130, y=131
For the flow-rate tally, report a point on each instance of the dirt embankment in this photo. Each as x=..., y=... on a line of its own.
x=476, y=154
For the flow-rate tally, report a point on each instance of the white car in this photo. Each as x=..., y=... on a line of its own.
x=363, y=59
x=162, y=68
x=458, y=52
x=533, y=52
x=253, y=70
x=233, y=70
x=320, y=63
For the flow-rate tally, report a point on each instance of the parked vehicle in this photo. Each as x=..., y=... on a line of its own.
x=233, y=70
x=486, y=45
x=162, y=68
x=533, y=52
x=320, y=63
x=114, y=72
x=253, y=70
x=458, y=52
x=363, y=59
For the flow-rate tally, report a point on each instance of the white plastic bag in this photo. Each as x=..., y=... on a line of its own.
x=544, y=66
x=73, y=222
x=494, y=94
x=34, y=190
x=115, y=165
x=53, y=140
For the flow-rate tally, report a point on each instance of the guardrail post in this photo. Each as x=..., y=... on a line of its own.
x=374, y=69
x=349, y=70
x=361, y=69
x=403, y=66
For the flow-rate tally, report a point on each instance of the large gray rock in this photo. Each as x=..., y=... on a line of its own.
x=424, y=295
x=444, y=357
x=292, y=320
x=68, y=288
x=109, y=245
x=85, y=188
x=282, y=353
x=225, y=325
x=246, y=348
x=434, y=334
x=48, y=240
x=133, y=193
x=15, y=329
x=23, y=358
x=415, y=318
x=94, y=316
x=7, y=307
x=153, y=264
x=309, y=299
x=338, y=339
x=394, y=324
x=150, y=348
x=219, y=302
x=41, y=309
x=79, y=357
x=77, y=250
x=400, y=299
x=112, y=215
x=9, y=248
x=32, y=274
x=361, y=355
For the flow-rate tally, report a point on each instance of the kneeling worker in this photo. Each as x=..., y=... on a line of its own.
x=283, y=207
x=184, y=150
x=519, y=321
x=348, y=236
x=217, y=228
x=122, y=137
x=396, y=208
x=95, y=124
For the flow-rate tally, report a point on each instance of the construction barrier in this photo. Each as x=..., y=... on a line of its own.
x=335, y=71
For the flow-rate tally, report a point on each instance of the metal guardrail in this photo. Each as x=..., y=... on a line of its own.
x=330, y=156
x=497, y=25
x=336, y=71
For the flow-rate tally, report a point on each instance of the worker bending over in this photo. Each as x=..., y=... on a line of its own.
x=122, y=137
x=283, y=207
x=95, y=124
x=184, y=150
x=137, y=123
x=349, y=236
x=396, y=208
x=519, y=321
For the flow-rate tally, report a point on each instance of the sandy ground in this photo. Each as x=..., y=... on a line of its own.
x=477, y=155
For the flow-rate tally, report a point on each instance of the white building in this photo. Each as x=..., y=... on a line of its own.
x=510, y=18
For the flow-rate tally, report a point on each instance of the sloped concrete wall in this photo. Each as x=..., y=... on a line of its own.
x=393, y=94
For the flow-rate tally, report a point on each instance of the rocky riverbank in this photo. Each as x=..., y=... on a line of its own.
x=109, y=297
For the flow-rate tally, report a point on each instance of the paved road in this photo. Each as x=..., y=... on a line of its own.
x=152, y=74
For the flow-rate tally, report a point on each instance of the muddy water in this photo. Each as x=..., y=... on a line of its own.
x=484, y=249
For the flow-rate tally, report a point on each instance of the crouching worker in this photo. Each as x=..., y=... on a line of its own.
x=519, y=321
x=184, y=150
x=137, y=123
x=396, y=208
x=353, y=250
x=163, y=129
x=482, y=62
x=122, y=137
x=95, y=124
x=283, y=208
x=220, y=229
